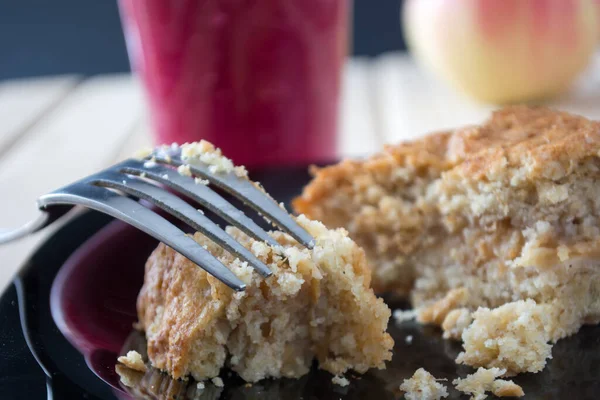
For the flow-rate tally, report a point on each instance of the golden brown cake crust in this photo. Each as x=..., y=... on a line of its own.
x=520, y=136
x=523, y=137
x=426, y=154
x=171, y=334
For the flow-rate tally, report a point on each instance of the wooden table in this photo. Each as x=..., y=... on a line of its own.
x=55, y=130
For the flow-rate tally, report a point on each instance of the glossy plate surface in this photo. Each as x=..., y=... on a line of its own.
x=92, y=285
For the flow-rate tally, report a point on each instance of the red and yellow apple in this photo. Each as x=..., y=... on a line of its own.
x=504, y=51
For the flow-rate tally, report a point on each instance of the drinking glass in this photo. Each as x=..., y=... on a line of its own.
x=258, y=78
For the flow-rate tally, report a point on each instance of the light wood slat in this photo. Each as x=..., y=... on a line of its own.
x=357, y=133
x=83, y=134
x=140, y=137
x=24, y=101
x=409, y=102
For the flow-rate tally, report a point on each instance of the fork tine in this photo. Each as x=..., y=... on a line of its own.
x=200, y=193
x=246, y=191
x=133, y=213
x=182, y=210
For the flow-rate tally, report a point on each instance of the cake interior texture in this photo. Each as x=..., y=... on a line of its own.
x=318, y=304
x=480, y=216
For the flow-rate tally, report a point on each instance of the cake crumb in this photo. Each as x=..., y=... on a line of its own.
x=207, y=153
x=408, y=339
x=484, y=380
x=401, y=316
x=512, y=336
x=200, y=386
x=218, y=382
x=456, y=322
x=143, y=153
x=184, y=170
x=150, y=163
x=200, y=181
x=423, y=386
x=240, y=171
x=340, y=380
x=133, y=360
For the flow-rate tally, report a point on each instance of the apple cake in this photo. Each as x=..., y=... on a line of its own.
x=481, y=216
x=318, y=304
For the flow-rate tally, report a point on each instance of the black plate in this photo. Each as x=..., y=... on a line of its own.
x=53, y=368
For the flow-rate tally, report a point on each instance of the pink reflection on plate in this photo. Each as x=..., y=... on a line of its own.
x=93, y=296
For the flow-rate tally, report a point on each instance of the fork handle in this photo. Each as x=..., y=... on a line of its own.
x=45, y=218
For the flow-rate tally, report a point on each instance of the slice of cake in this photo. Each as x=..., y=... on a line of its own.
x=318, y=304
x=479, y=216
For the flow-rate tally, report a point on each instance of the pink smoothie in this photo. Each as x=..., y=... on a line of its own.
x=258, y=78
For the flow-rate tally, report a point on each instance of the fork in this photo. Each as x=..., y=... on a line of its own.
x=110, y=191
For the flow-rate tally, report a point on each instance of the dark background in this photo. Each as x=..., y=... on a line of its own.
x=49, y=37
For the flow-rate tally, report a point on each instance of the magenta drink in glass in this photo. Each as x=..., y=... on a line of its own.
x=258, y=78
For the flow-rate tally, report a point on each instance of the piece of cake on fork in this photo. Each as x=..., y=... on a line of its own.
x=317, y=304
x=481, y=216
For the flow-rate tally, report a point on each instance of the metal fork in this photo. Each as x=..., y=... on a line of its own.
x=108, y=191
